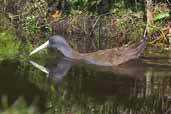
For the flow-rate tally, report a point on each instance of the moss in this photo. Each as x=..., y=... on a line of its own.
x=8, y=44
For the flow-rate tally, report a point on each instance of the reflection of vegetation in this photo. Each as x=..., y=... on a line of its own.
x=85, y=91
x=20, y=107
x=92, y=92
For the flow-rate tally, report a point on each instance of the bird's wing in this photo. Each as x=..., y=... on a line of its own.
x=124, y=54
x=101, y=57
x=115, y=56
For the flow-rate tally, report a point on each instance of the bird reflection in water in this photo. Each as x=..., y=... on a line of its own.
x=58, y=69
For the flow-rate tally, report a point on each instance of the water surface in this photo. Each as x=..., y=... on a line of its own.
x=142, y=86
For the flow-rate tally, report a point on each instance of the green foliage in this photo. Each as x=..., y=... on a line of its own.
x=78, y=4
x=8, y=44
x=32, y=25
x=105, y=6
x=92, y=6
x=161, y=16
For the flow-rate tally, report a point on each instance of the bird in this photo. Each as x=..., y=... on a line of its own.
x=107, y=57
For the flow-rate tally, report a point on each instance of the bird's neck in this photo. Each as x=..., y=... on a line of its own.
x=67, y=52
x=70, y=53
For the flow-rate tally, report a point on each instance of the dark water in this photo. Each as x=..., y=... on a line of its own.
x=138, y=87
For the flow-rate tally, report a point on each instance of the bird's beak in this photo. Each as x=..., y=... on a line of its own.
x=45, y=45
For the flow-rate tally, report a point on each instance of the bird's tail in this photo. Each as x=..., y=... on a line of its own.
x=141, y=46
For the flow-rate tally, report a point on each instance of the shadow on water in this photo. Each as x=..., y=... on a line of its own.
x=138, y=87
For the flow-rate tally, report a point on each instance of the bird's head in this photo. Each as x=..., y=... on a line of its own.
x=57, y=43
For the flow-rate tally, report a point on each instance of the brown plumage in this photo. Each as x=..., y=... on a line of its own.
x=107, y=57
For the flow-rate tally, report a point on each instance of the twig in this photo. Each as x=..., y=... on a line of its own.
x=99, y=18
x=162, y=33
x=96, y=22
x=54, y=21
x=145, y=31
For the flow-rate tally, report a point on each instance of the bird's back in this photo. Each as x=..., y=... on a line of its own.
x=116, y=56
